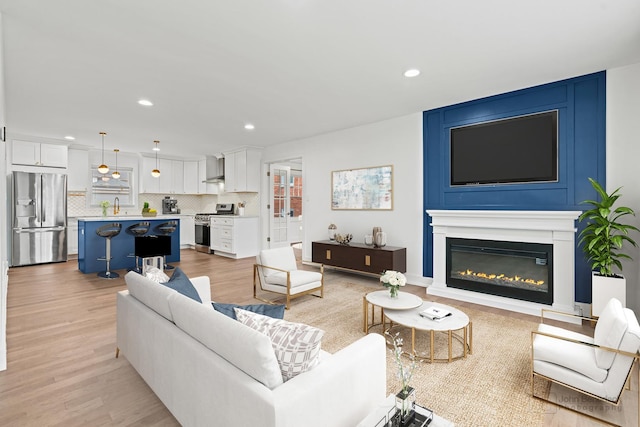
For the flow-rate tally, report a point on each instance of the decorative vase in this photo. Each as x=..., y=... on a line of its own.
x=240, y=211
x=368, y=239
x=104, y=211
x=332, y=231
x=393, y=291
x=380, y=239
x=405, y=405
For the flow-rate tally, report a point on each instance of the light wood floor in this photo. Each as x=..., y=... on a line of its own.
x=61, y=344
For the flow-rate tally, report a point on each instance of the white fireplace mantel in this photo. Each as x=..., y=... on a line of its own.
x=547, y=227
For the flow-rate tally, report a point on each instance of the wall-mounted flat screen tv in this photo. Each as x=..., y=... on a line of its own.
x=515, y=150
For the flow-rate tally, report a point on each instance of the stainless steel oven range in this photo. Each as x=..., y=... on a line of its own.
x=203, y=232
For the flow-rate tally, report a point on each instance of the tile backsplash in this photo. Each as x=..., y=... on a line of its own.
x=77, y=203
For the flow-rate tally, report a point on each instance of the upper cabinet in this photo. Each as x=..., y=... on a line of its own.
x=78, y=170
x=176, y=176
x=205, y=187
x=39, y=154
x=242, y=170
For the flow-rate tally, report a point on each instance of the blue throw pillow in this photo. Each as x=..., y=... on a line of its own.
x=275, y=311
x=181, y=283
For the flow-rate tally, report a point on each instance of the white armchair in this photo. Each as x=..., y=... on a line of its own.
x=598, y=367
x=277, y=271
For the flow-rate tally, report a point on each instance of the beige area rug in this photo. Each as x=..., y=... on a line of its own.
x=491, y=387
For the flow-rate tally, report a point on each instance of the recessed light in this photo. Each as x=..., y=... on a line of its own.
x=413, y=72
x=145, y=102
x=249, y=126
x=70, y=138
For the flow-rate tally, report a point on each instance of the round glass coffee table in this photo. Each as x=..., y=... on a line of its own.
x=456, y=326
x=383, y=300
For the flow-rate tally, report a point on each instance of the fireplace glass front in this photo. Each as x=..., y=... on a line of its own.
x=517, y=270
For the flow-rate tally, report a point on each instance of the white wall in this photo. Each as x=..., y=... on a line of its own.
x=623, y=158
x=4, y=262
x=396, y=142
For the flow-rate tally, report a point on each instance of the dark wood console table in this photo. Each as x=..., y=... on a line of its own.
x=359, y=257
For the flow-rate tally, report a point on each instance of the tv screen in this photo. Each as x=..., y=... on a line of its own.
x=514, y=150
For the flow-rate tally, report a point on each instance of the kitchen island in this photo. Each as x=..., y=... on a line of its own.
x=91, y=246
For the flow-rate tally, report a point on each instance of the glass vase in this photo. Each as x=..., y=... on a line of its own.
x=393, y=291
x=405, y=405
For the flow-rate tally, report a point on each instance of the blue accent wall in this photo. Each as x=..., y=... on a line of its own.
x=581, y=154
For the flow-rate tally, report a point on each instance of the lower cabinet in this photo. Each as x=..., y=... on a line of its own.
x=234, y=236
x=187, y=231
x=72, y=236
x=359, y=257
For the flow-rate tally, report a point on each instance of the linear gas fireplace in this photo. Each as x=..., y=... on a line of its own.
x=519, y=270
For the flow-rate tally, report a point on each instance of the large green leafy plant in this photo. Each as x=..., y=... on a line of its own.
x=604, y=235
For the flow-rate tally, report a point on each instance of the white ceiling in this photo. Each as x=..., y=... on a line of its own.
x=294, y=68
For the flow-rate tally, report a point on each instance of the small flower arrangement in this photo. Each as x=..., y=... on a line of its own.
x=393, y=280
x=105, y=205
x=242, y=204
x=406, y=398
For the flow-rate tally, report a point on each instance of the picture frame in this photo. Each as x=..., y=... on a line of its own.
x=368, y=188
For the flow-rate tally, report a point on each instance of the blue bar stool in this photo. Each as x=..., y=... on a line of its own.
x=108, y=231
x=165, y=229
x=136, y=230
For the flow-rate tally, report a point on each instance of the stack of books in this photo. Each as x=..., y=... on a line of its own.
x=435, y=313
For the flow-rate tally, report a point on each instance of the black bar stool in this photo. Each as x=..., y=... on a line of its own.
x=166, y=229
x=108, y=231
x=136, y=230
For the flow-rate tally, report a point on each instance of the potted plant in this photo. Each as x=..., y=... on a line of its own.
x=602, y=241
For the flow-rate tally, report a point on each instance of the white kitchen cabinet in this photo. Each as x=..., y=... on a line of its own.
x=242, y=170
x=72, y=236
x=78, y=170
x=171, y=176
x=170, y=181
x=39, y=154
x=203, y=187
x=187, y=231
x=191, y=177
x=149, y=184
x=234, y=237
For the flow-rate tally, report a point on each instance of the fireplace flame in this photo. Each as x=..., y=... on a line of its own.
x=492, y=276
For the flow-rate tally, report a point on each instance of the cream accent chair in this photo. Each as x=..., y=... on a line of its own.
x=598, y=367
x=277, y=271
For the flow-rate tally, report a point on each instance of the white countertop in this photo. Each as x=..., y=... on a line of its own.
x=128, y=218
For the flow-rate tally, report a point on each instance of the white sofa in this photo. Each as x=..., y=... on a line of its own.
x=208, y=370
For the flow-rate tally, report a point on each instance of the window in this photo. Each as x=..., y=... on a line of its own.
x=295, y=193
x=105, y=187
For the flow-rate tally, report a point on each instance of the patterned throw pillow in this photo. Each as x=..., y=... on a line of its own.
x=297, y=346
x=156, y=275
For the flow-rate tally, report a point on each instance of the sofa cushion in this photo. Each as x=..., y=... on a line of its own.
x=150, y=293
x=181, y=283
x=243, y=347
x=275, y=311
x=556, y=351
x=282, y=258
x=297, y=346
x=298, y=278
x=610, y=328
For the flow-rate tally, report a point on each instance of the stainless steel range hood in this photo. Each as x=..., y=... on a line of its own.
x=215, y=170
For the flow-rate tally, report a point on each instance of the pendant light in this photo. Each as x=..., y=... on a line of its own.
x=115, y=173
x=103, y=168
x=156, y=172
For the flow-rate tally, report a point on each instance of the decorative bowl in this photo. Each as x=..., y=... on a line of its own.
x=344, y=239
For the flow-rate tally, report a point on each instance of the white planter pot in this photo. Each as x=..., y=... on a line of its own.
x=605, y=288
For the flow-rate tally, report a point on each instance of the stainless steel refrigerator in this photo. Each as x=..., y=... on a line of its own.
x=39, y=218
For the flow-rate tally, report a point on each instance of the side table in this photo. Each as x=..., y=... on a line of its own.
x=378, y=415
x=383, y=300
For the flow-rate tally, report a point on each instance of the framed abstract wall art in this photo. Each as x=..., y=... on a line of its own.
x=362, y=189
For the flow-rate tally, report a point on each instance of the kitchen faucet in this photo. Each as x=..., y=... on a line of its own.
x=116, y=206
